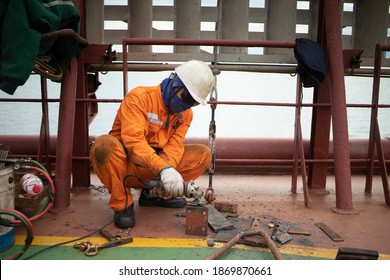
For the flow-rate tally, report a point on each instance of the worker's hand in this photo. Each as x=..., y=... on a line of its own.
x=172, y=181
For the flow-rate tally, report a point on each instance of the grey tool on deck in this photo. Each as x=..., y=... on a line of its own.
x=217, y=221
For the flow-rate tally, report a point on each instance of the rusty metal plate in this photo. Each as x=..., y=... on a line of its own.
x=99, y=54
x=197, y=220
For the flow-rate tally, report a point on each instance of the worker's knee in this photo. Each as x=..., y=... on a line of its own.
x=199, y=153
x=205, y=152
x=102, y=148
x=103, y=139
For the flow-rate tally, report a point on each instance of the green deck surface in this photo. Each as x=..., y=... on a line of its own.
x=142, y=253
x=62, y=248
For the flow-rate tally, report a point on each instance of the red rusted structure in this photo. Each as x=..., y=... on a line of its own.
x=375, y=136
x=71, y=159
x=65, y=136
x=339, y=109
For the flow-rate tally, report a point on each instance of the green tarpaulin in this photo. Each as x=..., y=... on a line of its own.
x=22, y=23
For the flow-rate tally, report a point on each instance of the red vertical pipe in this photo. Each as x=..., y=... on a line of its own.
x=339, y=109
x=296, y=141
x=321, y=123
x=81, y=169
x=320, y=138
x=124, y=53
x=374, y=115
x=65, y=136
x=382, y=163
x=44, y=142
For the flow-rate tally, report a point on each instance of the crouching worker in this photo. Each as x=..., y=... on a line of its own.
x=147, y=142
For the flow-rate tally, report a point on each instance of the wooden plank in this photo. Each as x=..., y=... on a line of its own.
x=332, y=234
x=299, y=232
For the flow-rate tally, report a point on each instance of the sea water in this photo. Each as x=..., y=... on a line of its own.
x=231, y=120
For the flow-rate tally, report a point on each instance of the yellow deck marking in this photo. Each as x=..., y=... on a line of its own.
x=185, y=243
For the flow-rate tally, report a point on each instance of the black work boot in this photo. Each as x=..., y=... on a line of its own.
x=125, y=218
x=174, y=202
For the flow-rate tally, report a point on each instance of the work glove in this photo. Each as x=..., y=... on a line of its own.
x=172, y=181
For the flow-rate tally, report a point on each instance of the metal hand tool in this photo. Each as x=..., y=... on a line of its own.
x=190, y=188
x=108, y=235
x=92, y=250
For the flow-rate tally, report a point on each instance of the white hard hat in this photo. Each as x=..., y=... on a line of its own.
x=198, y=79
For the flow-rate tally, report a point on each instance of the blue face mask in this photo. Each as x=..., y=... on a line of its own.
x=178, y=105
x=171, y=100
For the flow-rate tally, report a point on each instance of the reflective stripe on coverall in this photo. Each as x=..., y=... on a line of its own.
x=139, y=146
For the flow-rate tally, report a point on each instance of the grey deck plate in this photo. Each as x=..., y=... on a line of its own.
x=217, y=221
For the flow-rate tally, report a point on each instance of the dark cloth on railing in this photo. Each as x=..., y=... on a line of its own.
x=312, y=62
x=22, y=23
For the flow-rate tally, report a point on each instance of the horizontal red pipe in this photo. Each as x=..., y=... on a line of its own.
x=276, y=104
x=226, y=148
x=278, y=148
x=384, y=47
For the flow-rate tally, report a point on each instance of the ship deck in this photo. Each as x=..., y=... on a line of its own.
x=159, y=233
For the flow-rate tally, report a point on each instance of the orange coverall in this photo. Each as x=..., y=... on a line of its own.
x=139, y=146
